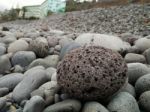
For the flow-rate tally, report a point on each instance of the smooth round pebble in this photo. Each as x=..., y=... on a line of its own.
x=123, y=102
x=130, y=89
x=142, y=44
x=18, y=45
x=23, y=58
x=144, y=101
x=142, y=84
x=134, y=58
x=135, y=71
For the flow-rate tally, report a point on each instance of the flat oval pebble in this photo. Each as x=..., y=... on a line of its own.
x=11, y=80
x=69, y=105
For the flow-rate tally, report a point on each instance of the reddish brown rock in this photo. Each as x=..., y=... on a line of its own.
x=91, y=73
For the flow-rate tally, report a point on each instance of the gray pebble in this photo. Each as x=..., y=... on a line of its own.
x=142, y=84
x=123, y=102
x=34, y=79
x=135, y=71
x=35, y=104
x=69, y=105
x=144, y=101
x=11, y=80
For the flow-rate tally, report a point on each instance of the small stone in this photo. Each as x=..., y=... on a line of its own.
x=135, y=71
x=3, y=91
x=18, y=45
x=34, y=79
x=142, y=84
x=35, y=104
x=11, y=80
x=94, y=107
x=56, y=98
x=12, y=109
x=134, y=58
x=64, y=96
x=65, y=106
x=64, y=41
x=147, y=55
x=37, y=92
x=50, y=71
x=2, y=102
x=39, y=62
x=51, y=51
x=52, y=60
x=54, y=77
x=52, y=41
x=58, y=48
x=67, y=48
x=18, y=69
x=123, y=102
x=142, y=44
x=144, y=101
x=2, y=50
x=23, y=58
x=5, y=64
x=130, y=89
x=106, y=41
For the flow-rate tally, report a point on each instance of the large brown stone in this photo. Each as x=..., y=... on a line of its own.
x=91, y=73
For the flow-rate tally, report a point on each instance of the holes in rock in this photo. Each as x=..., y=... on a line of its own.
x=91, y=89
x=96, y=79
x=75, y=71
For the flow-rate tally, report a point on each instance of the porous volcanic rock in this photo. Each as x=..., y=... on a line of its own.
x=91, y=73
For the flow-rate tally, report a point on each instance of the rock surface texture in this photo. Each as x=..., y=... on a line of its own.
x=92, y=73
